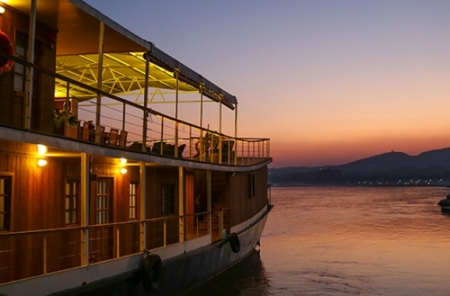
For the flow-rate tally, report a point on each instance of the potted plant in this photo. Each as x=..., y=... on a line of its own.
x=60, y=119
x=212, y=142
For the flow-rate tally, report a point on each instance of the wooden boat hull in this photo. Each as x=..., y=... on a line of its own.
x=190, y=270
x=90, y=192
x=184, y=272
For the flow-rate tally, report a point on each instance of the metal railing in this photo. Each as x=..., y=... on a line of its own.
x=100, y=116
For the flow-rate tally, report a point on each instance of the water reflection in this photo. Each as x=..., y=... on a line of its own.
x=246, y=278
x=357, y=241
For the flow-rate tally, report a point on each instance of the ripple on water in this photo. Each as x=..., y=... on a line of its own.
x=349, y=241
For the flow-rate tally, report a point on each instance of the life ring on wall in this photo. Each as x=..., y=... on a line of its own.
x=6, y=45
x=235, y=244
x=152, y=272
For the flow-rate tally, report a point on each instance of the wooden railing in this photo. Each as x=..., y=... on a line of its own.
x=54, y=250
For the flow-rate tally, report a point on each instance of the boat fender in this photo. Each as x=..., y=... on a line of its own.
x=235, y=243
x=152, y=272
x=6, y=46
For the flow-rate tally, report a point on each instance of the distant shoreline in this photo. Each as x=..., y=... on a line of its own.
x=356, y=185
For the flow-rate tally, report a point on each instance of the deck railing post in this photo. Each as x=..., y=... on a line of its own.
x=142, y=236
x=30, y=70
x=165, y=233
x=237, y=146
x=261, y=148
x=162, y=135
x=123, y=117
x=181, y=202
x=118, y=242
x=142, y=206
x=253, y=151
x=84, y=247
x=221, y=223
x=196, y=223
x=145, y=113
x=249, y=152
x=44, y=263
x=220, y=149
x=84, y=208
x=190, y=142
x=101, y=43
x=208, y=198
x=177, y=125
x=181, y=228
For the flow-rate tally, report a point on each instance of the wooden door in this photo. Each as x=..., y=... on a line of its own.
x=102, y=238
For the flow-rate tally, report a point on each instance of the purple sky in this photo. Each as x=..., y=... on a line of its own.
x=328, y=81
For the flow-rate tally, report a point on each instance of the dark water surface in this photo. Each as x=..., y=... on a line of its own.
x=347, y=241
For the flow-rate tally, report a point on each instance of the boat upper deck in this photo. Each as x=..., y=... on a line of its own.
x=96, y=83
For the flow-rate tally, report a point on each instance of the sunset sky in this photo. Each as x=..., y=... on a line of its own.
x=328, y=81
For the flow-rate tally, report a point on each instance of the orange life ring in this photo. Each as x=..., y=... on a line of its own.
x=7, y=46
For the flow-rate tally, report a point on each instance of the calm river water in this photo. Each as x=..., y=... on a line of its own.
x=347, y=241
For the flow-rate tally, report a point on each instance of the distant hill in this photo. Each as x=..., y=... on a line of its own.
x=392, y=168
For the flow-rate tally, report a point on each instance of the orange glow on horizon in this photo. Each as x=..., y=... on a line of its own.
x=319, y=153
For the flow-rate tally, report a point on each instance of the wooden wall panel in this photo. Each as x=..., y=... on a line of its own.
x=38, y=203
x=110, y=168
x=7, y=23
x=13, y=23
x=190, y=202
x=244, y=206
x=156, y=177
x=130, y=234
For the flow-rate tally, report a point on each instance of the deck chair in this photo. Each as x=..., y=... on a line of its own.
x=85, y=131
x=72, y=131
x=227, y=151
x=180, y=150
x=113, y=137
x=123, y=139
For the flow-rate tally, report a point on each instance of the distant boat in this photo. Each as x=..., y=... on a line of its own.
x=445, y=205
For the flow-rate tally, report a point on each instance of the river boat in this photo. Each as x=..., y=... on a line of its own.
x=104, y=175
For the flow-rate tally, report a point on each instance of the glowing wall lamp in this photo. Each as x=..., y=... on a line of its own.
x=2, y=10
x=42, y=149
x=42, y=162
x=123, y=162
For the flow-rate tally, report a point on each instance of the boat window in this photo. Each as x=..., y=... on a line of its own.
x=71, y=202
x=133, y=197
x=5, y=202
x=168, y=199
x=103, y=200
